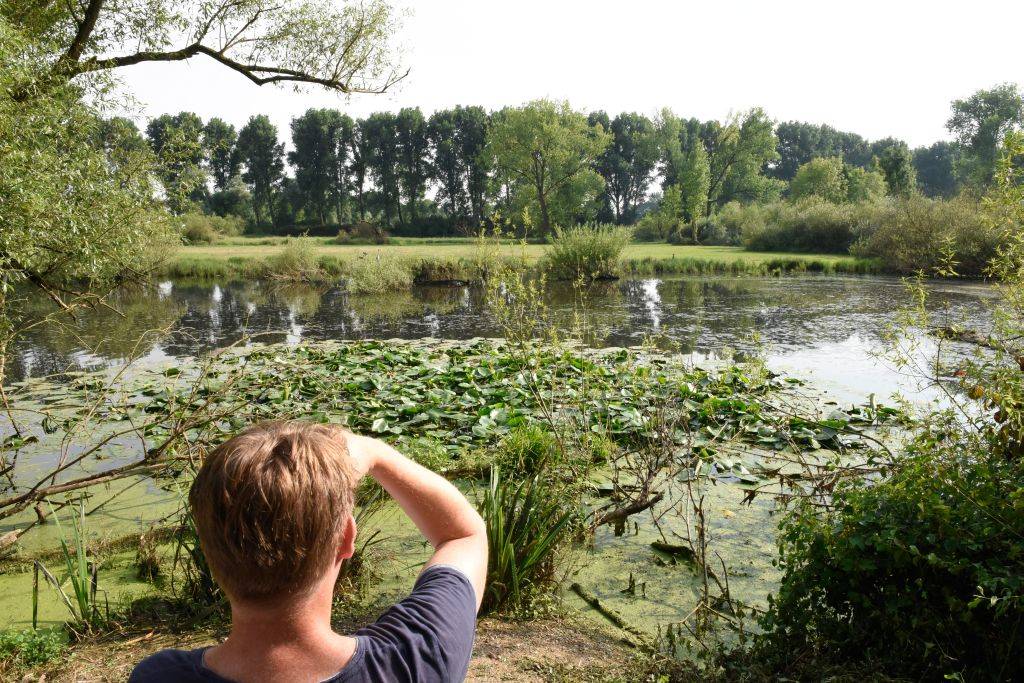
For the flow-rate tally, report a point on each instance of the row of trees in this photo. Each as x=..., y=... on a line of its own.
x=547, y=164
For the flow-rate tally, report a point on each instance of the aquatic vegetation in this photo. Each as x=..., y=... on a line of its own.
x=86, y=611
x=298, y=261
x=376, y=273
x=587, y=252
x=527, y=521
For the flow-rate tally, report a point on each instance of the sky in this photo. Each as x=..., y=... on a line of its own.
x=878, y=68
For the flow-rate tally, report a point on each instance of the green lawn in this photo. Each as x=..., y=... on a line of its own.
x=259, y=247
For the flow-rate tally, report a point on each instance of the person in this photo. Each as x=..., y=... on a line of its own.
x=273, y=510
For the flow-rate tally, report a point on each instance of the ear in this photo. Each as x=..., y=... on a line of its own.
x=347, y=548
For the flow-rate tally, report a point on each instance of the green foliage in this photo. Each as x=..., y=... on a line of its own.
x=102, y=227
x=32, y=647
x=980, y=123
x=936, y=169
x=628, y=162
x=527, y=522
x=660, y=224
x=812, y=225
x=822, y=178
x=177, y=143
x=377, y=273
x=897, y=165
x=82, y=575
x=203, y=229
x=587, y=252
x=263, y=158
x=298, y=261
x=543, y=153
x=919, y=234
x=864, y=185
x=921, y=573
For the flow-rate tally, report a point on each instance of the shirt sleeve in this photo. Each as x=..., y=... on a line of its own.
x=428, y=636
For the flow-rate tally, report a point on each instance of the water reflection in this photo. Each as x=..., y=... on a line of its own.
x=822, y=327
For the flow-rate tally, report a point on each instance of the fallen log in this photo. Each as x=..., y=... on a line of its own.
x=643, y=640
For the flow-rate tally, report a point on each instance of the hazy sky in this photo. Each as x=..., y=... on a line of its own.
x=877, y=68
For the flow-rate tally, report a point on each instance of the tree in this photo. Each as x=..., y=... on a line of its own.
x=177, y=143
x=936, y=169
x=472, y=124
x=628, y=162
x=863, y=184
x=413, y=156
x=344, y=48
x=219, y=147
x=78, y=212
x=979, y=124
x=315, y=159
x=380, y=142
x=544, y=153
x=800, y=142
x=360, y=151
x=897, y=165
x=738, y=153
x=822, y=177
x=694, y=185
x=342, y=172
x=263, y=158
x=447, y=161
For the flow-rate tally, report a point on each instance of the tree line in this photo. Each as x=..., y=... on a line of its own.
x=544, y=164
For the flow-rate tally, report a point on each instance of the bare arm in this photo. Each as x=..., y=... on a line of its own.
x=436, y=507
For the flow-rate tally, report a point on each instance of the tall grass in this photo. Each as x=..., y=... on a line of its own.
x=82, y=575
x=585, y=252
x=377, y=273
x=298, y=262
x=526, y=522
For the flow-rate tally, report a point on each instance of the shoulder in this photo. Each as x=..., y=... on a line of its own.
x=429, y=635
x=168, y=665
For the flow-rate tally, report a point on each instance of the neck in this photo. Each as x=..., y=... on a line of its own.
x=306, y=620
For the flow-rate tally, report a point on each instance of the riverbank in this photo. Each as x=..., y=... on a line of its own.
x=442, y=260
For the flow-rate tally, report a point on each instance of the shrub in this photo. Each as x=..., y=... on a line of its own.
x=922, y=573
x=588, y=252
x=362, y=233
x=377, y=273
x=810, y=225
x=202, y=229
x=297, y=261
x=917, y=233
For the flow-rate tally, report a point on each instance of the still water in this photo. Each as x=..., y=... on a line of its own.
x=823, y=329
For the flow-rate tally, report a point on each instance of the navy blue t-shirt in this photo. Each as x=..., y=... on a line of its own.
x=426, y=637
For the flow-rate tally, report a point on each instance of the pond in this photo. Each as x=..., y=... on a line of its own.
x=822, y=329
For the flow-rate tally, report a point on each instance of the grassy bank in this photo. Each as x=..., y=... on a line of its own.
x=457, y=259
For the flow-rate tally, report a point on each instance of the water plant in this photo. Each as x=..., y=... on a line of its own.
x=87, y=612
x=527, y=522
x=587, y=252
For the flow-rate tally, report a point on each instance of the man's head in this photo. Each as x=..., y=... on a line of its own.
x=273, y=508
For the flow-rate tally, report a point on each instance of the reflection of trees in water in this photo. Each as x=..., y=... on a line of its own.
x=129, y=324
x=693, y=314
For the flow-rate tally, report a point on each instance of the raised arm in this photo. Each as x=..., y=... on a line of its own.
x=436, y=507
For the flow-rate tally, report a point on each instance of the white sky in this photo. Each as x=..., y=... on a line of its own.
x=877, y=68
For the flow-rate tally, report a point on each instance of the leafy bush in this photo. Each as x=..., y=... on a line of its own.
x=203, y=229
x=586, y=252
x=376, y=273
x=362, y=233
x=809, y=225
x=298, y=261
x=918, y=234
x=32, y=647
x=922, y=573
x=527, y=521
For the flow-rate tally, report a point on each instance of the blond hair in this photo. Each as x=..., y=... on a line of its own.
x=270, y=506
